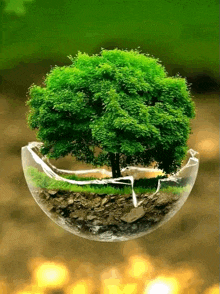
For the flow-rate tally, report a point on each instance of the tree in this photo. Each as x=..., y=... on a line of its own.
x=117, y=108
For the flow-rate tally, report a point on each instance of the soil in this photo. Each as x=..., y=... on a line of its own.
x=105, y=216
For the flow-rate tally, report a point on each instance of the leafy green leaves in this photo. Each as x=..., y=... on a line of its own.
x=120, y=101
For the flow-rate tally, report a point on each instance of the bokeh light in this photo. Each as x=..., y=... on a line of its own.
x=81, y=287
x=51, y=274
x=139, y=266
x=112, y=289
x=130, y=289
x=165, y=285
x=213, y=290
x=138, y=274
x=209, y=147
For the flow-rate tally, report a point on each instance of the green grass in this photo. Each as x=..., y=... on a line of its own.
x=41, y=180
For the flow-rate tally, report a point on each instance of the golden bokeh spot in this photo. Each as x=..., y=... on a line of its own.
x=51, y=274
x=130, y=289
x=213, y=290
x=162, y=285
x=139, y=266
x=208, y=147
x=112, y=289
x=81, y=287
x=111, y=282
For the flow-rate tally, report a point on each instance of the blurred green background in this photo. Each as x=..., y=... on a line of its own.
x=37, y=35
x=183, y=34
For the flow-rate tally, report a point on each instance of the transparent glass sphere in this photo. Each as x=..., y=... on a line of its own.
x=107, y=209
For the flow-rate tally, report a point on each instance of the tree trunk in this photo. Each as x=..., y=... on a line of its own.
x=117, y=165
x=114, y=158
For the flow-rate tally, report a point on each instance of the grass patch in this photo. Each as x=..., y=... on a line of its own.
x=41, y=180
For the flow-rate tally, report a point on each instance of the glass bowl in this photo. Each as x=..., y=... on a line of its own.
x=107, y=210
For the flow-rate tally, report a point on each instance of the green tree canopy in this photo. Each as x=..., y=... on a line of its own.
x=121, y=103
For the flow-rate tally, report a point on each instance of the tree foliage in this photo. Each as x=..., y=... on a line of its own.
x=121, y=103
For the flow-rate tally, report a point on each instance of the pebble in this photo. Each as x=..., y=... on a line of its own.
x=91, y=217
x=52, y=192
x=97, y=222
x=133, y=214
x=74, y=214
x=70, y=201
x=105, y=200
x=49, y=206
x=108, y=204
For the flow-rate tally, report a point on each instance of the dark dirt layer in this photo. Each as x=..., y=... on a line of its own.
x=106, y=216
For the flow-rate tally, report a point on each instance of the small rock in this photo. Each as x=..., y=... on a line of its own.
x=91, y=217
x=117, y=218
x=42, y=194
x=98, y=209
x=94, y=229
x=154, y=219
x=56, y=202
x=90, y=205
x=84, y=202
x=112, y=196
x=111, y=219
x=47, y=195
x=120, y=202
x=106, y=235
x=74, y=214
x=133, y=215
x=96, y=202
x=149, y=208
x=49, y=206
x=118, y=214
x=70, y=201
x=97, y=222
x=77, y=197
x=152, y=196
x=52, y=192
x=108, y=204
x=64, y=204
x=104, y=200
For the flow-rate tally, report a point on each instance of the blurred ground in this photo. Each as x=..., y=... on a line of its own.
x=185, y=249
